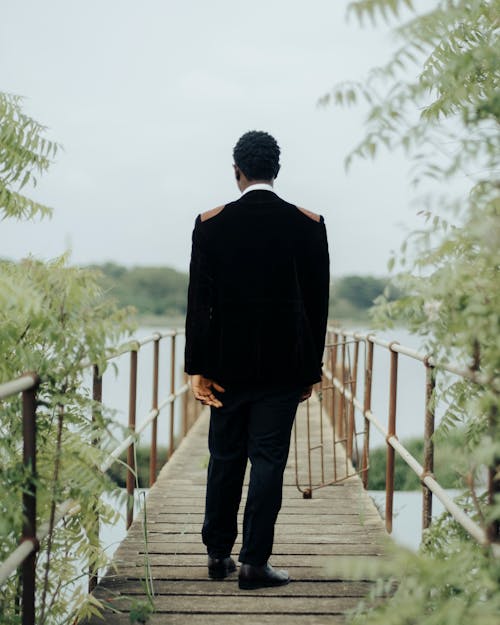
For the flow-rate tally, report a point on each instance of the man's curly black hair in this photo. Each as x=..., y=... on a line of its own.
x=257, y=154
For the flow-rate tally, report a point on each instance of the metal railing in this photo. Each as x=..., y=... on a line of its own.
x=25, y=554
x=338, y=398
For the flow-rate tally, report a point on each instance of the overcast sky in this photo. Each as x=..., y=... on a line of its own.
x=148, y=99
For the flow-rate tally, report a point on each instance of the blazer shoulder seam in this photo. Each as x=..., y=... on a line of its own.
x=310, y=214
x=211, y=213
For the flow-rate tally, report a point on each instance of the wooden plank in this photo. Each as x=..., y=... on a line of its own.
x=306, y=506
x=190, y=573
x=245, y=604
x=191, y=543
x=327, y=547
x=125, y=558
x=223, y=619
x=210, y=587
x=282, y=535
x=286, y=524
x=290, y=528
x=322, y=515
x=303, y=571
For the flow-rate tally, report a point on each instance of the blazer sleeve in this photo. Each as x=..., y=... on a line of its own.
x=314, y=277
x=199, y=303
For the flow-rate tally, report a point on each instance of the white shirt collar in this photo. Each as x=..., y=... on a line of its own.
x=258, y=186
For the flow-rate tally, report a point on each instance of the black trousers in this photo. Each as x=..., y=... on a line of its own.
x=254, y=424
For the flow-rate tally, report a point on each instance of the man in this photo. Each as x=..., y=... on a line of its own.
x=255, y=335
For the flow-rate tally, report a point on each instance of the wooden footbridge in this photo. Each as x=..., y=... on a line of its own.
x=327, y=518
x=311, y=535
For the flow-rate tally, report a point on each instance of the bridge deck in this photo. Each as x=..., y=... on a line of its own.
x=311, y=535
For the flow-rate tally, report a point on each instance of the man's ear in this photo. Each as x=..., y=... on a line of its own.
x=237, y=172
x=277, y=171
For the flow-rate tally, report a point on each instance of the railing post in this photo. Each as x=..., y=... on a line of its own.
x=326, y=397
x=171, y=445
x=353, y=384
x=341, y=430
x=97, y=398
x=154, y=427
x=185, y=405
x=430, y=377
x=391, y=431
x=131, y=424
x=334, y=413
x=333, y=369
x=29, y=501
x=319, y=390
x=367, y=406
x=308, y=493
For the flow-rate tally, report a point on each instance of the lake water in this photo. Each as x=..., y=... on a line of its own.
x=410, y=411
x=410, y=401
x=116, y=384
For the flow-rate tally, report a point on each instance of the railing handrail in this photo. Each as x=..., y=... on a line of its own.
x=18, y=385
x=427, y=359
x=69, y=508
x=458, y=514
x=425, y=477
x=28, y=380
x=134, y=345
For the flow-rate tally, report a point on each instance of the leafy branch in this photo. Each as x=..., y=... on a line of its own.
x=24, y=154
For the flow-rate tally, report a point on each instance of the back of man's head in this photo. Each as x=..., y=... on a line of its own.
x=257, y=155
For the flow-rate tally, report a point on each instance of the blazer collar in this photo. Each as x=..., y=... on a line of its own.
x=258, y=186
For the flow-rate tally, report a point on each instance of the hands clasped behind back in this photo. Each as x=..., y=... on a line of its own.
x=202, y=390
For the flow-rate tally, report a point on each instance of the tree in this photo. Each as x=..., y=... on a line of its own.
x=438, y=100
x=361, y=290
x=151, y=290
x=52, y=316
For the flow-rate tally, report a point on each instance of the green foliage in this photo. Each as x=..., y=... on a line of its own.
x=438, y=101
x=24, y=153
x=451, y=581
x=438, y=97
x=443, y=84
x=142, y=609
x=52, y=317
x=448, y=464
x=140, y=612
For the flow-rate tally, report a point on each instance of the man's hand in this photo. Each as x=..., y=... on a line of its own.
x=201, y=388
x=307, y=393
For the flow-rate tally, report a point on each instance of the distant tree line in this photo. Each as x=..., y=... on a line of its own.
x=352, y=296
x=158, y=291
x=162, y=291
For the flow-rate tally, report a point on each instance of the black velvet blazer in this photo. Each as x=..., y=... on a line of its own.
x=258, y=294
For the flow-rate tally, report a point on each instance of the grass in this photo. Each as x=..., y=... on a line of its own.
x=118, y=471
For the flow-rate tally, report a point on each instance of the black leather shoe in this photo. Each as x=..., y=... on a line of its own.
x=264, y=576
x=219, y=568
